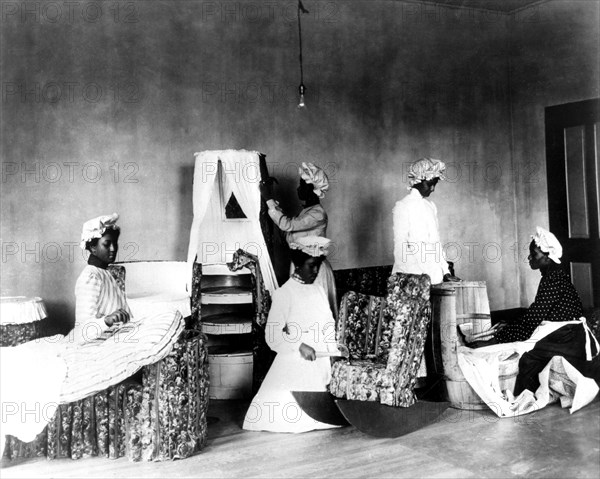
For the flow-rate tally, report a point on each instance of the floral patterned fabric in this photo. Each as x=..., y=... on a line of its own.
x=15, y=334
x=15, y=448
x=97, y=425
x=175, y=400
x=369, y=280
x=261, y=298
x=362, y=324
x=386, y=339
x=163, y=419
x=117, y=422
x=196, y=296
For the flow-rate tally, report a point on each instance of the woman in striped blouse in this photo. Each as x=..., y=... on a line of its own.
x=100, y=301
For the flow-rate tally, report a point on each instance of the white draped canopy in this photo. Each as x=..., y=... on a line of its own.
x=213, y=237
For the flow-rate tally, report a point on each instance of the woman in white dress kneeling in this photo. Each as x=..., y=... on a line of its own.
x=301, y=330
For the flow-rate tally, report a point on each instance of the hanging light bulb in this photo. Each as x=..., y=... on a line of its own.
x=301, y=90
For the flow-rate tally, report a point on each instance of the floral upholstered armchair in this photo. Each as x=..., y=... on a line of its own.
x=385, y=337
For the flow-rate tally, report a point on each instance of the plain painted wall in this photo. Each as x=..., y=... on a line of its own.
x=554, y=59
x=103, y=108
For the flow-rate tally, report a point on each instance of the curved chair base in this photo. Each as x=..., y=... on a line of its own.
x=320, y=406
x=378, y=420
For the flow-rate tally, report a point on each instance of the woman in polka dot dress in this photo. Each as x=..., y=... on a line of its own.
x=556, y=300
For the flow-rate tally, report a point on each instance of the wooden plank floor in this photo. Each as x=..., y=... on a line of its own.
x=548, y=444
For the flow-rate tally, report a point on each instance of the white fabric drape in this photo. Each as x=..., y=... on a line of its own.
x=481, y=368
x=213, y=239
x=205, y=173
x=31, y=378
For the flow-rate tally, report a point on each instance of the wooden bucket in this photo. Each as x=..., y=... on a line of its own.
x=462, y=396
x=230, y=374
x=443, y=328
x=472, y=305
x=454, y=304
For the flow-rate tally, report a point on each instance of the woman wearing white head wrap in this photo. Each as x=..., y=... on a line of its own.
x=301, y=330
x=556, y=300
x=311, y=221
x=313, y=175
x=426, y=169
x=417, y=245
x=99, y=301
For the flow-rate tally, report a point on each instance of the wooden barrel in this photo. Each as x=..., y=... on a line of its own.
x=454, y=304
x=443, y=328
x=230, y=374
x=462, y=396
x=472, y=305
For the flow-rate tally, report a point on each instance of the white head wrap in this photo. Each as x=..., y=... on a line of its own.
x=95, y=228
x=548, y=243
x=312, y=245
x=425, y=169
x=315, y=176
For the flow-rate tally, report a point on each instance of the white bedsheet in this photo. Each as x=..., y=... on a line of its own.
x=558, y=380
x=39, y=375
x=31, y=378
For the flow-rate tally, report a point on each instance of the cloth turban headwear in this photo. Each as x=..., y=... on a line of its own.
x=425, y=169
x=312, y=245
x=315, y=176
x=548, y=243
x=96, y=227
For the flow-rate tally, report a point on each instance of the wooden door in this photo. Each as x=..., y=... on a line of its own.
x=573, y=175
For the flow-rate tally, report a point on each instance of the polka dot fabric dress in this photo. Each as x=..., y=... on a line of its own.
x=556, y=300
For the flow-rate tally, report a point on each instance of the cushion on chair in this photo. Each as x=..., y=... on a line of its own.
x=386, y=339
x=360, y=380
x=362, y=328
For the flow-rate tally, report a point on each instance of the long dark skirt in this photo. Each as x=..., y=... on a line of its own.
x=568, y=342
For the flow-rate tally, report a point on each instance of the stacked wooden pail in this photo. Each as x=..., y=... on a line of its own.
x=454, y=304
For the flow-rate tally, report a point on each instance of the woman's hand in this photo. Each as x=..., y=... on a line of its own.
x=266, y=188
x=498, y=326
x=307, y=352
x=118, y=316
x=451, y=278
